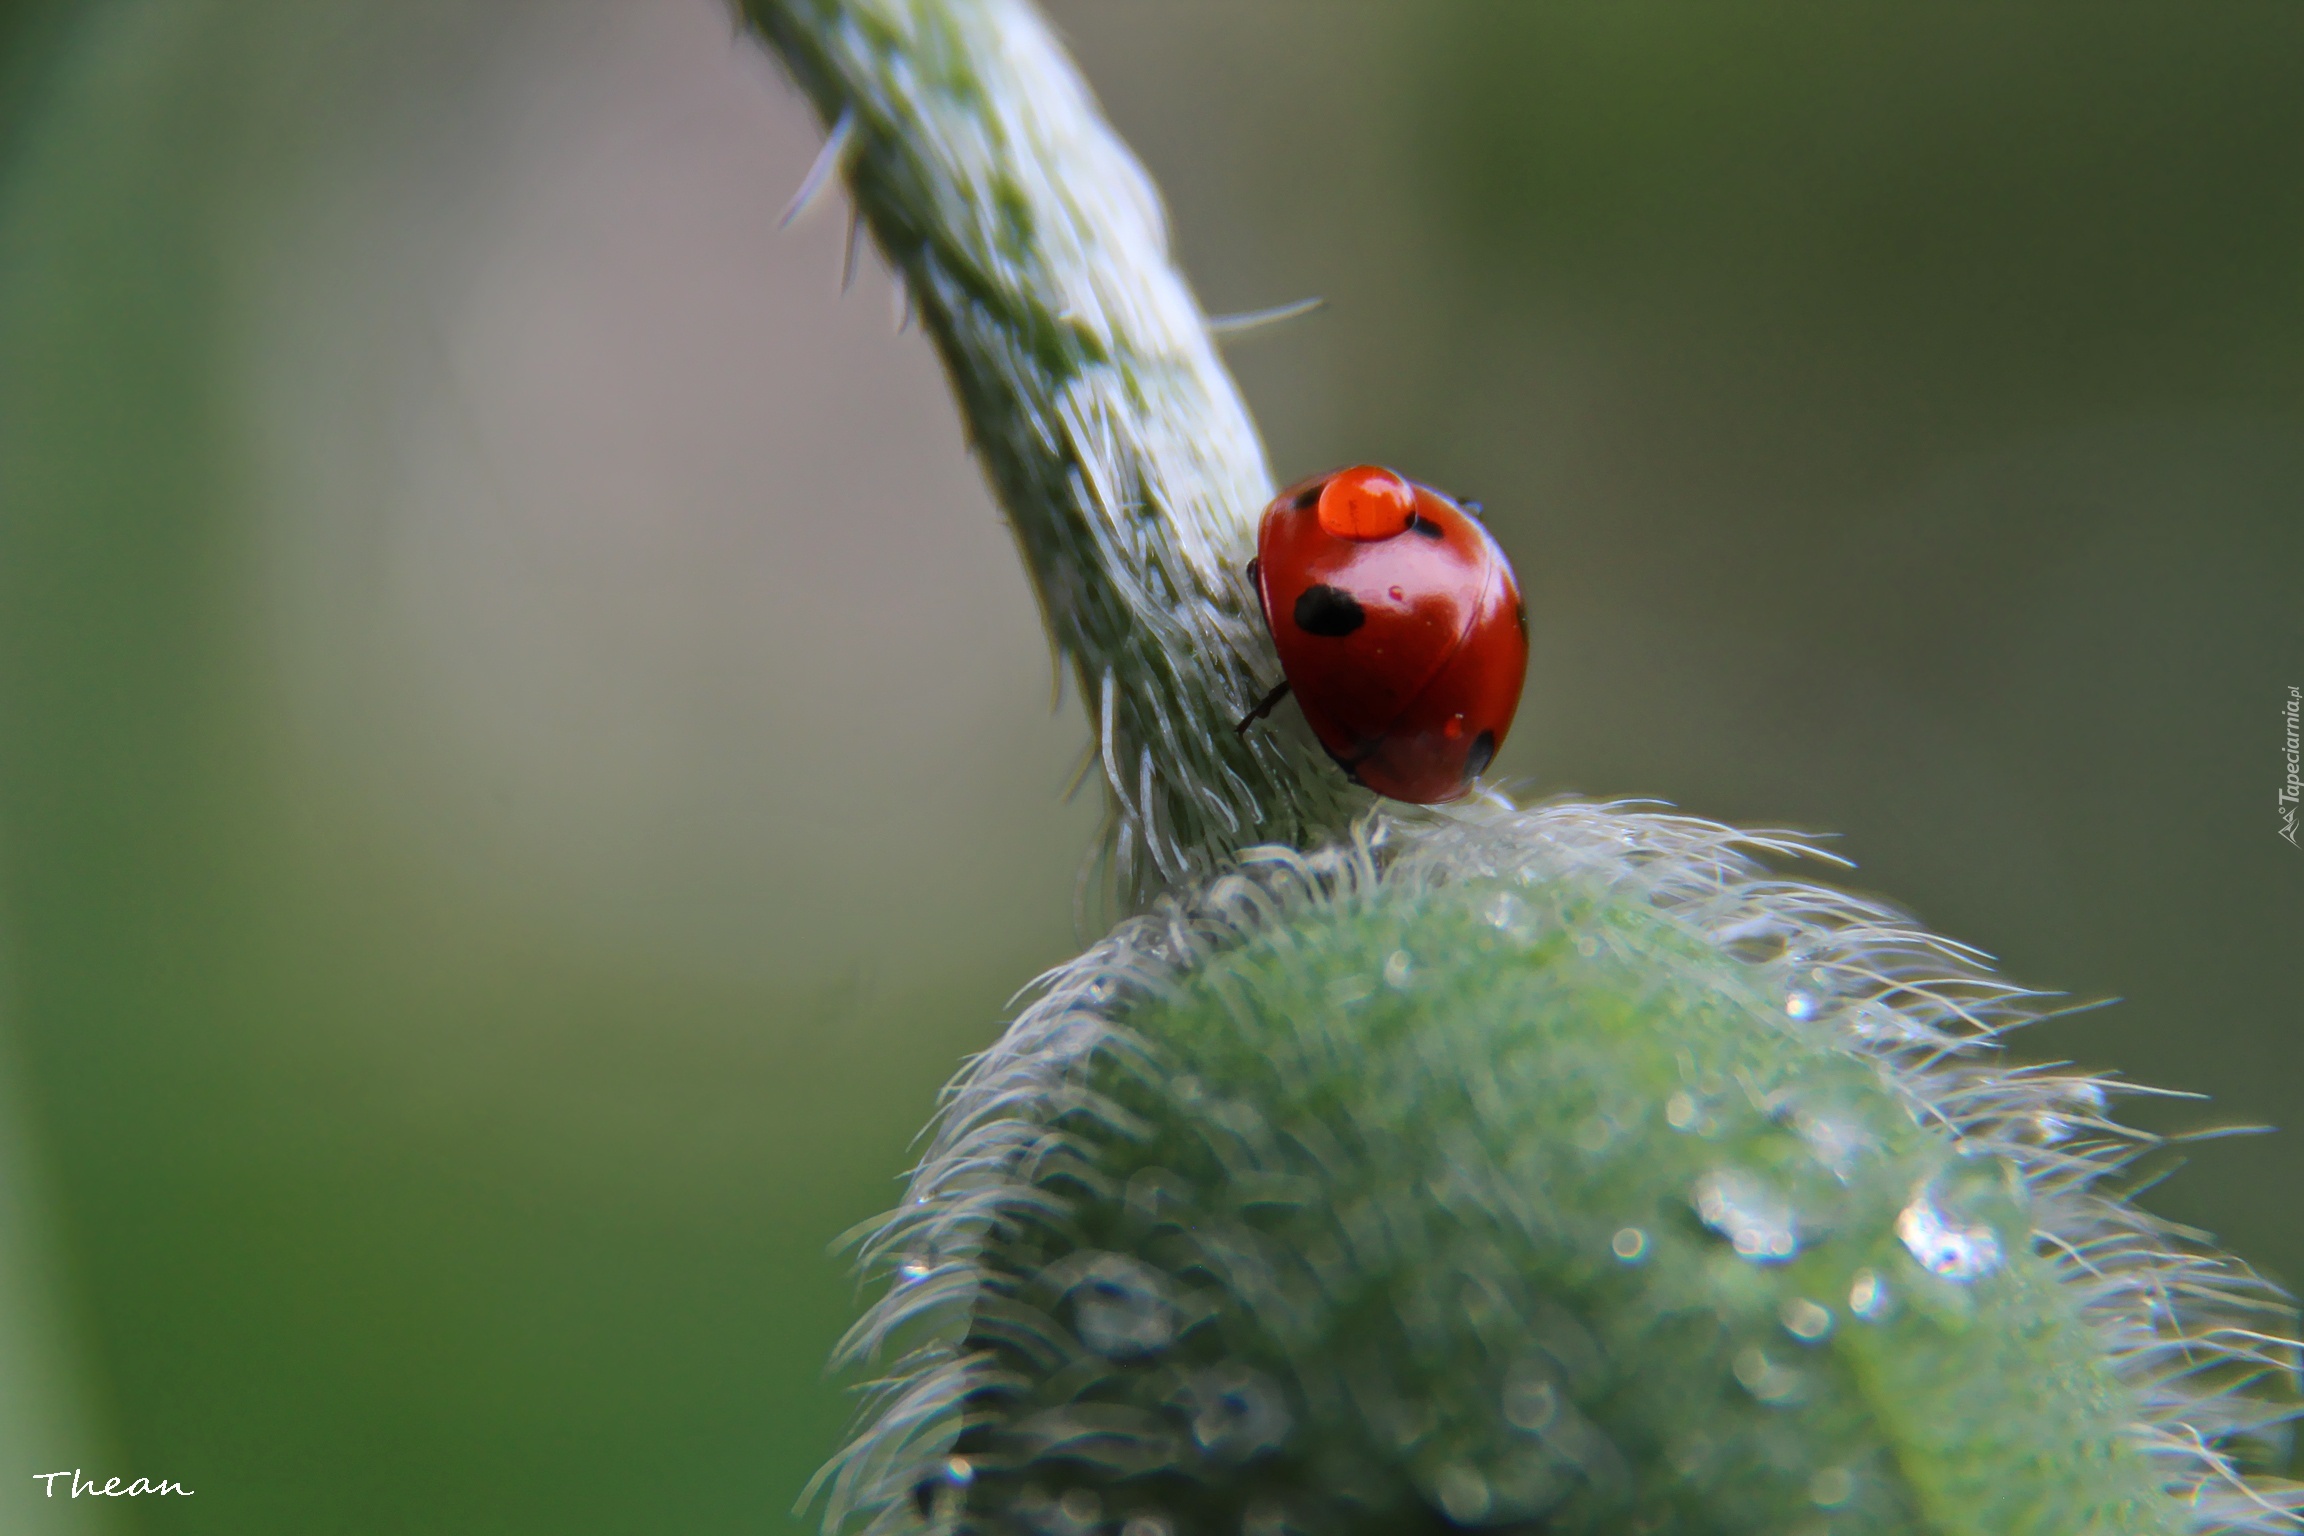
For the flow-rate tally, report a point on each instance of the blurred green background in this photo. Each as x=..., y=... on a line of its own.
x=525, y=755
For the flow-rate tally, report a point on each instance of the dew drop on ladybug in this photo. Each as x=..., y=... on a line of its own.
x=1399, y=627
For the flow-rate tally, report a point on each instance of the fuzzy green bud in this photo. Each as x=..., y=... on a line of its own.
x=1553, y=1170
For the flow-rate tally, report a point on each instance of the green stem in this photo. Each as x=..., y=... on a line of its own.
x=1034, y=250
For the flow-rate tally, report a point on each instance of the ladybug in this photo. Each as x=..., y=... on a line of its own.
x=1399, y=626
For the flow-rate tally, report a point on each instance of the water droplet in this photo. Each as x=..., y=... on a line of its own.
x=1831, y=1487
x=1507, y=913
x=1773, y=1384
x=1529, y=1399
x=913, y=1271
x=1805, y=1320
x=1100, y=990
x=1944, y=1247
x=1236, y=1412
x=1680, y=1112
x=1587, y=946
x=1837, y=1142
x=1147, y=1525
x=1081, y=1506
x=1757, y=1220
x=1463, y=1494
x=1800, y=1005
x=1868, y=1295
x=1398, y=967
x=1594, y=1133
x=958, y=1472
x=1630, y=1244
x=1120, y=1308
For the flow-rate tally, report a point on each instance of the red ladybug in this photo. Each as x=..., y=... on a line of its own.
x=1399, y=628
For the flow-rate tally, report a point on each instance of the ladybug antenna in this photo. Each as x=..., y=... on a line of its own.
x=1264, y=706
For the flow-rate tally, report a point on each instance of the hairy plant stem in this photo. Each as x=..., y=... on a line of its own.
x=1033, y=249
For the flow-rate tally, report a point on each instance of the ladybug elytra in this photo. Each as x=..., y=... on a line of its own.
x=1399, y=626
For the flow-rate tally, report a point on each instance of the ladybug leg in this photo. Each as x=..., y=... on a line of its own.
x=1264, y=706
x=1351, y=765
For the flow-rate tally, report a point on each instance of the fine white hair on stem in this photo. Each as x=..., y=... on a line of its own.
x=820, y=171
x=1257, y=319
x=1033, y=248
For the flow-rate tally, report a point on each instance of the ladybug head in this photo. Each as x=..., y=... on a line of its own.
x=1366, y=503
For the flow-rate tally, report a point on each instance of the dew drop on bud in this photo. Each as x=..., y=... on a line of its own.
x=1805, y=1320
x=1943, y=1246
x=1867, y=1295
x=1754, y=1218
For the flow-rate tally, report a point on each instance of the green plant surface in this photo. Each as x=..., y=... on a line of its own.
x=1554, y=1171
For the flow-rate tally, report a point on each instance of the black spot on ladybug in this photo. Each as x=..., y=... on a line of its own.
x=1482, y=754
x=1419, y=523
x=1309, y=497
x=1328, y=611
